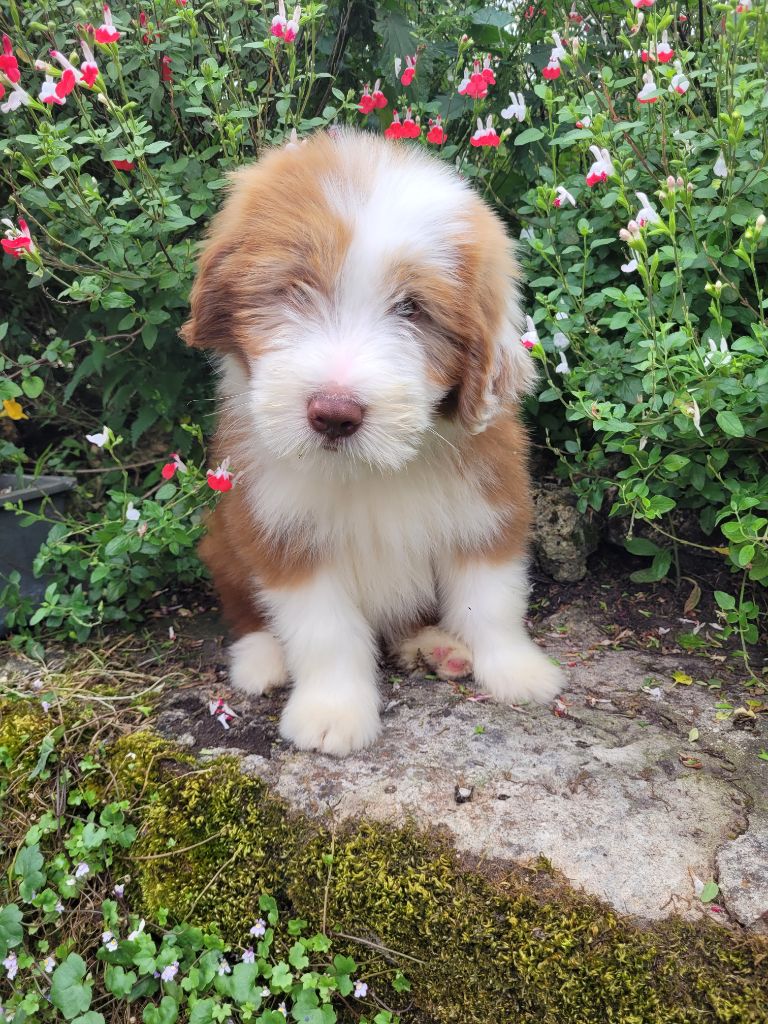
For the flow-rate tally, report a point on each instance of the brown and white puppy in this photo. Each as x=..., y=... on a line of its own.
x=364, y=303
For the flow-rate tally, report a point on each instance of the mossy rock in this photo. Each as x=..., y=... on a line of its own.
x=507, y=946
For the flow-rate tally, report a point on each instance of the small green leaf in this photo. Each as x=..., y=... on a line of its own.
x=730, y=423
x=69, y=992
x=709, y=892
x=529, y=135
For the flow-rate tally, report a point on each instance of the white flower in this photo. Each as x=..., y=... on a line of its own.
x=137, y=931
x=81, y=870
x=265, y=993
x=49, y=964
x=531, y=337
x=248, y=956
x=647, y=214
x=261, y=925
x=224, y=968
x=132, y=514
x=718, y=357
x=281, y=1009
x=561, y=314
x=169, y=973
x=527, y=235
x=398, y=67
x=17, y=98
x=361, y=990
x=11, y=965
x=516, y=108
x=99, y=439
x=561, y=341
x=629, y=268
x=558, y=51
x=721, y=167
x=119, y=890
x=59, y=907
x=563, y=196
x=648, y=93
x=109, y=941
x=679, y=83
x=562, y=366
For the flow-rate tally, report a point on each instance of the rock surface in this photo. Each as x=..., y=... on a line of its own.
x=563, y=538
x=606, y=783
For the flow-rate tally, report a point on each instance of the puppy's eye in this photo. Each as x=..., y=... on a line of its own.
x=408, y=309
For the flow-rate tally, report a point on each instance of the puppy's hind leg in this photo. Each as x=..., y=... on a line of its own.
x=438, y=650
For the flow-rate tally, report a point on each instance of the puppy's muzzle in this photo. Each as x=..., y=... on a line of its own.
x=334, y=415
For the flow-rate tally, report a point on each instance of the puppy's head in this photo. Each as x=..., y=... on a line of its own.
x=369, y=298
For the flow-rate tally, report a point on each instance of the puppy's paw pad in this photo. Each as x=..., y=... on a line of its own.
x=446, y=656
x=257, y=663
x=318, y=722
x=514, y=673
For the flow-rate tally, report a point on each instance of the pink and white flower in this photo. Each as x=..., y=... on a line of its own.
x=106, y=33
x=361, y=990
x=474, y=84
x=679, y=82
x=17, y=239
x=664, y=52
x=169, y=469
x=89, y=69
x=563, y=196
x=642, y=3
x=485, y=134
x=17, y=97
x=558, y=50
x=220, y=479
x=516, y=108
x=436, y=134
x=647, y=213
x=602, y=166
x=631, y=232
x=55, y=91
x=410, y=70
x=284, y=28
x=487, y=71
x=9, y=65
x=649, y=92
x=531, y=336
x=552, y=70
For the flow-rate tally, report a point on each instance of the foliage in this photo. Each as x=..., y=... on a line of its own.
x=655, y=382
x=71, y=948
x=197, y=845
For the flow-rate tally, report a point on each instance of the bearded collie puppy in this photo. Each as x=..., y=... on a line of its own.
x=363, y=303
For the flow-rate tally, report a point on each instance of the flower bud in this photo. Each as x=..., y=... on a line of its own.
x=760, y=222
x=680, y=181
x=670, y=182
x=690, y=187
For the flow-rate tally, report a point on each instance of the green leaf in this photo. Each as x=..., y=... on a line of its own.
x=529, y=135
x=202, y=1012
x=656, y=571
x=69, y=992
x=297, y=957
x=32, y=386
x=27, y=867
x=92, y=1017
x=641, y=546
x=11, y=931
x=166, y=1012
x=730, y=424
x=725, y=601
x=118, y=981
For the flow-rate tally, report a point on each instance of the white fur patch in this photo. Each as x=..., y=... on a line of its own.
x=257, y=663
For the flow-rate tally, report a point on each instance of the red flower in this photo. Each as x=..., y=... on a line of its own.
x=552, y=70
x=8, y=63
x=371, y=101
x=474, y=83
x=487, y=71
x=485, y=136
x=106, y=32
x=170, y=468
x=395, y=130
x=2, y=90
x=143, y=19
x=410, y=129
x=365, y=106
x=436, y=134
x=52, y=91
x=165, y=69
x=220, y=479
x=123, y=165
x=17, y=240
x=89, y=70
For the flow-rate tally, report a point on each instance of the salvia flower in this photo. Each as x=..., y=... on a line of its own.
x=561, y=341
x=9, y=65
x=721, y=167
x=361, y=990
x=16, y=98
x=487, y=71
x=563, y=196
x=679, y=82
x=170, y=468
x=630, y=267
x=474, y=84
x=601, y=168
x=55, y=91
x=100, y=438
x=573, y=15
x=552, y=70
x=649, y=92
x=411, y=129
x=647, y=213
x=166, y=75
x=409, y=73
x=132, y=514
x=106, y=32
x=664, y=52
x=17, y=240
x=562, y=366
x=220, y=479
x=372, y=99
x=558, y=51
x=123, y=165
x=292, y=26
x=585, y=122
x=642, y=3
x=89, y=69
x=436, y=134
x=395, y=129
x=630, y=232
x=283, y=27
x=485, y=134
x=718, y=356
x=516, y=108
x=531, y=336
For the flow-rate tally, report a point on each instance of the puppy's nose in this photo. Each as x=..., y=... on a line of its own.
x=335, y=415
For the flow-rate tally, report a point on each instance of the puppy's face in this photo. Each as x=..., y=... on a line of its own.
x=368, y=296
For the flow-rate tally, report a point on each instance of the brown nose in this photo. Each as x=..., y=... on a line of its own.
x=335, y=415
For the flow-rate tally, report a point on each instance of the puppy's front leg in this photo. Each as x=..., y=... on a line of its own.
x=484, y=603
x=330, y=651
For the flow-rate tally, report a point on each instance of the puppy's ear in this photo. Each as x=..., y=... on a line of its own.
x=212, y=300
x=498, y=370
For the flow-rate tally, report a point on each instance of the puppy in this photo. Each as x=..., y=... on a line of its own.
x=364, y=305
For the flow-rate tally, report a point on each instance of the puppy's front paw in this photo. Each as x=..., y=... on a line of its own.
x=444, y=654
x=516, y=672
x=257, y=663
x=331, y=722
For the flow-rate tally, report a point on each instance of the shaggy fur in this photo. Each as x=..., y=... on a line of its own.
x=366, y=272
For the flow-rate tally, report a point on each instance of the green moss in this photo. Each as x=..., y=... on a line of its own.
x=514, y=949
x=22, y=728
